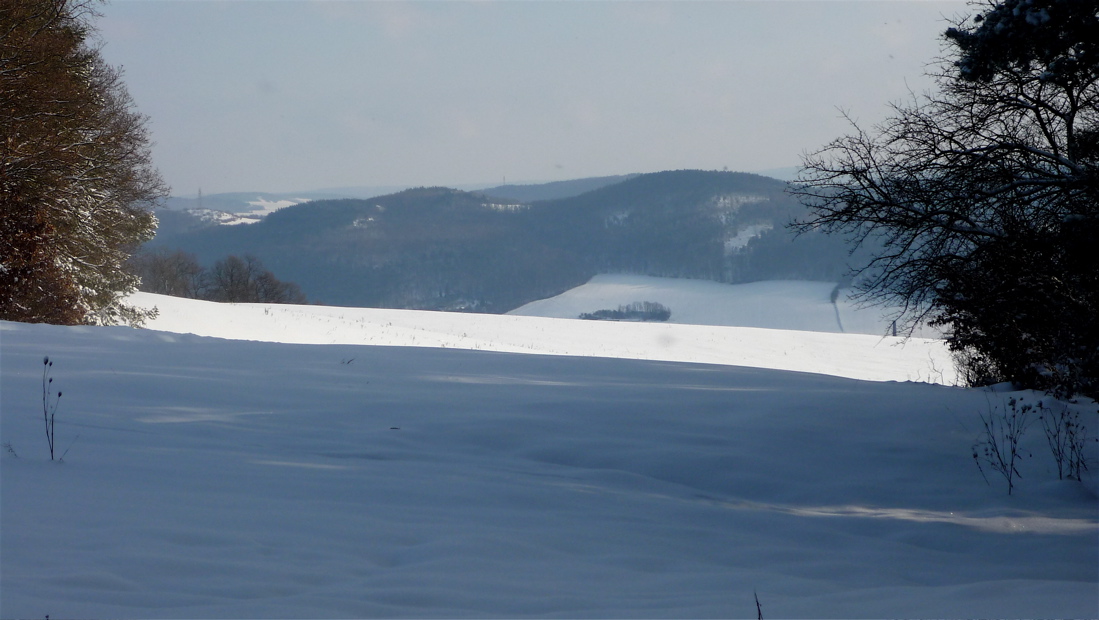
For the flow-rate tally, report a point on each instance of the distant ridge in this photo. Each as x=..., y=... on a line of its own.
x=554, y=190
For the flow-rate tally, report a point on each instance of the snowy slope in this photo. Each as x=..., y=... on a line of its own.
x=212, y=478
x=777, y=304
x=846, y=355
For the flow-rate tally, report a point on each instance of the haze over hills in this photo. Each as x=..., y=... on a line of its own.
x=448, y=249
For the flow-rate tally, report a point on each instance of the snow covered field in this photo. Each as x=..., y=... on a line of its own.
x=779, y=325
x=778, y=304
x=218, y=478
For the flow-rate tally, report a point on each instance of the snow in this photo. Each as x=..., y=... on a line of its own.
x=266, y=207
x=744, y=236
x=860, y=356
x=733, y=202
x=224, y=218
x=262, y=208
x=214, y=478
x=780, y=304
x=510, y=207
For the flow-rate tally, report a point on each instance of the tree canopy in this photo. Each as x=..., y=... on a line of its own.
x=76, y=180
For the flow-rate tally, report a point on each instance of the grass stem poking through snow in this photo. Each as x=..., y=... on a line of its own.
x=1066, y=436
x=999, y=447
x=49, y=411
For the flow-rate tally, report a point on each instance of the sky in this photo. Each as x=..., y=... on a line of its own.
x=284, y=96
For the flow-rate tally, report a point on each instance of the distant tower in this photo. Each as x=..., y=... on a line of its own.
x=200, y=198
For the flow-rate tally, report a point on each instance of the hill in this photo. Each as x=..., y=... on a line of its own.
x=446, y=249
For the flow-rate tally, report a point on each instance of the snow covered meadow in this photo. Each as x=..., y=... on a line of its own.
x=626, y=470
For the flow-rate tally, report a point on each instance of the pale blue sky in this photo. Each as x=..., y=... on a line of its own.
x=293, y=95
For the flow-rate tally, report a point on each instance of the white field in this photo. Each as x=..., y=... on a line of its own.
x=216, y=478
x=783, y=304
x=779, y=325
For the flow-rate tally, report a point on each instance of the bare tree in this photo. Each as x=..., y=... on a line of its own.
x=986, y=193
x=231, y=280
x=270, y=289
x=176, y=273
x=245, y=280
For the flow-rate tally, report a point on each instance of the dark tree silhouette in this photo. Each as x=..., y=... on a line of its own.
x=245, y=280
x=986, y=194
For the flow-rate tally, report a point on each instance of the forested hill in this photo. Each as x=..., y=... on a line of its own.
x=440, y=248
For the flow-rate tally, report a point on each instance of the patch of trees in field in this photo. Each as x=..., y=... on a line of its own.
x=636, y=311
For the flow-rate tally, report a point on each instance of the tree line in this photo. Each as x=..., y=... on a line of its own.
x=636, y=311
x=233, y=279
